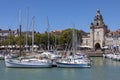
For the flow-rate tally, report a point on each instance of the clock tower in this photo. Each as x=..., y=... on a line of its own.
x=98, y=29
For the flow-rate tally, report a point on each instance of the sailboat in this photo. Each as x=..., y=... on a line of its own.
x=31, y=62
x=49, y=52
x=27, y=62
x=74, y=60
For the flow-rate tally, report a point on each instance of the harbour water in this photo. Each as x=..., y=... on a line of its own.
x=101, y=69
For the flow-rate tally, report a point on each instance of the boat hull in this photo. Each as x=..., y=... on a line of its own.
x=2, y=57
x=26, y=64
x=69, y=65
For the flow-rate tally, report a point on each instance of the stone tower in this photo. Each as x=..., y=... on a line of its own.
x=98, y=29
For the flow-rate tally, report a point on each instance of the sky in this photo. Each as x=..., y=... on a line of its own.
x=62, y=14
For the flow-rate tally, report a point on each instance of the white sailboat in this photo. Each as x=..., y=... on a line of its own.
x=51, y=52
x=74, y=60
x=2, y=56
x=28, y=62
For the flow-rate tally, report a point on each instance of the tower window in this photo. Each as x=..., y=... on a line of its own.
x=97, y=33
x=97, y=24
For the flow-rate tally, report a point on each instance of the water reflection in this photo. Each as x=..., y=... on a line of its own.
x=99, y=61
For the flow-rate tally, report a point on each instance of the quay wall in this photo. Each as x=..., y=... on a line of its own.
x=97, y=53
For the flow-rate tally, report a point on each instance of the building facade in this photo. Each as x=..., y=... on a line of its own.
x=4, y=34
x=100, y=36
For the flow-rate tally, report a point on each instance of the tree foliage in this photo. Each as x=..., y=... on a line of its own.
x=42, y=39
x=66, y=36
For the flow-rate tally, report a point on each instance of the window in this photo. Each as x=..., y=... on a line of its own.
x=97, y=33
x=97, y=24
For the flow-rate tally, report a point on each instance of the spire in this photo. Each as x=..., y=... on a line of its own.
x=98, y=24
x=98, y=16
x=98, y=20
x=98, y=12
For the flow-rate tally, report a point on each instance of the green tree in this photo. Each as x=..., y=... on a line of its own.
x=5, y=42
x=66, y=37
x=12, y=40
x=44, y=40
x=23, y=40
x=37, y=37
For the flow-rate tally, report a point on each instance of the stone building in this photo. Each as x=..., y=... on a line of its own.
x=100, y=36
x=4, y=34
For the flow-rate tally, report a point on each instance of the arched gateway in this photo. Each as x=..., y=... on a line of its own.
x=97, y=46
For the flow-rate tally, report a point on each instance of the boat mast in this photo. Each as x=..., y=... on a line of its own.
x=27, y=29
x=74, y=41
x=55, y=41
x=48, y=46
x=20, y=25
x=33, y=33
